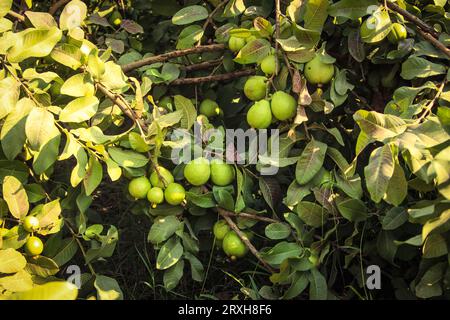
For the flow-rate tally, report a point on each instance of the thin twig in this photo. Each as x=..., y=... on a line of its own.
x=202, y=65
x=412, y=18
x=210, y=18
x=169, y=55
x=219, y=77
x=250, y=216
x=439, y=45
x=430, y=105
x=245, y=240
x=16, y=15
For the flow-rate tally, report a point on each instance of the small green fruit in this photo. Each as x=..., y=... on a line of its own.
x=233, y=246
x=235, y=44
x=220, y=229
x=34, y=246
x=197, y=171
x=209, y=108
x=259, y=116
x=255, y=88
x=166, y=175
x=398, y=33
x=31, y=224
x=139, y=187
x=174, y=194
x=269, y=65
x=317, y=72
x=222, y=174
x=155, y=195
x=283, y=105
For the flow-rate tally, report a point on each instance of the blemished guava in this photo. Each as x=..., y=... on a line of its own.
x=31, y=224
x=317, y=72
x=255, y=88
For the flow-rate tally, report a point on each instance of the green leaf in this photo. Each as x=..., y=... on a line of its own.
x=50, y=217
x=35, y=192
x=42, y=266
x=416, y=67
x=34, y=43
x=107, y=288
x=397, y=189
x=190, y=14
x=169, y=254
x=66, y=252
x=73, y=15
x=351, y=9
x=16, y=197
x=280, y=252
x=163, y=228
x=5, y=6
x=79, y=110
x=187, y=108
x=189, y=36
x=68, y=55
x=9, y=91
x=127, y=158
x=60, y=290
x=277, y=231
x=197, y=269
x=79, y=85
x=433, y=224
x=94, y=175
x=430, y=284
x=19, y=282
x=234, y=8
x=40, y=128
x=253, y=52
x=173, y=275
x=394, y=218
x=312, y=214
x=379, y=26
x=353, y=210
x=379, y=126
x=315, y=14
x=11, y=261
x=318, y=289
x=435, y=246
x=379, y=171
x=12, y=134
x=310, y=161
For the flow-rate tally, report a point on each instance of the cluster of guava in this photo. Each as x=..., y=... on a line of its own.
x=271, y=107
x=33, y=246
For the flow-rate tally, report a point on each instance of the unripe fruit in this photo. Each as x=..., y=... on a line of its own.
x=255, y=88
x=31, y=224
x=398, y=33
x=220, y=229
x=139, y=187
x=259, y=116
x=174, y=194
x=197, y=171
x=317, y=72
x=34, y=246
x=269, y=65
x=222, y=174
x=283, y=105
x=235, y=44
x=233, y=246
x=166, y=175
x=209, y=108
x=155, y=195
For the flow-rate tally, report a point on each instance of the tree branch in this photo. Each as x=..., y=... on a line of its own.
x=169, y=55
x=219, y=77
x=57, y=5
x=210, y=18
x=16, y=15
x=244, y=239
x=439, y=45
x=249, y=216
x=412, y=18
x=202, y=65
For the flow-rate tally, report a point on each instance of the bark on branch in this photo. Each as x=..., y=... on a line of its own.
x=244, y=239
x=170, y=55
x=219, y=77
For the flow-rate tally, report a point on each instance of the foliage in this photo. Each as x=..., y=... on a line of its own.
x=363, y=165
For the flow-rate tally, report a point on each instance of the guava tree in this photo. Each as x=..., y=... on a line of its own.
x=351, y=96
